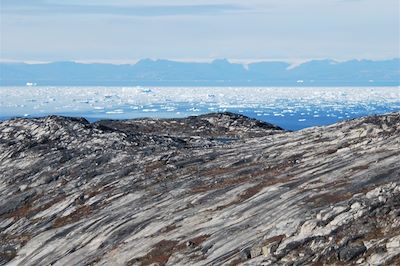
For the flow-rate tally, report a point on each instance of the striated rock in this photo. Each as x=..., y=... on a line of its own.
x=271, y=246
x=352, y=252
x=209, y=190
x=255, y=251
x=245, y=254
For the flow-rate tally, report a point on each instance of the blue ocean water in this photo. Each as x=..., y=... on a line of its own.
x=290, y=108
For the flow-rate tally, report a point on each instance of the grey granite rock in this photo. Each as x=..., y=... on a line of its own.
x=209, y=190
x=352, y=252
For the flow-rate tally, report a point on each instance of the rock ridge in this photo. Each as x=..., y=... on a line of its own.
x=209, y=190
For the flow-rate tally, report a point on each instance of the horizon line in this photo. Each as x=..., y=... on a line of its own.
x=292, y=62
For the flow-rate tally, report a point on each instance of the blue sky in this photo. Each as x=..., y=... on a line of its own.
x=123, y=31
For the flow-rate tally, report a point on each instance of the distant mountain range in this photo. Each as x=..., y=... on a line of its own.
x=217, y=73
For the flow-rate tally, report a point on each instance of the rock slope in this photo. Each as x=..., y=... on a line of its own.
x=218, y=189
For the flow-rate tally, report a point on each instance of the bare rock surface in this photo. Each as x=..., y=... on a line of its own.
x=218, y=189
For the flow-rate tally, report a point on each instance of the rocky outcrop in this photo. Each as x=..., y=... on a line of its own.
x=208, y=190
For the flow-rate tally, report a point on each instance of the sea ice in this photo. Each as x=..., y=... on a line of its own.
x=317, y=106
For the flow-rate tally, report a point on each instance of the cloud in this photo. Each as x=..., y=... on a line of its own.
x=41, y=7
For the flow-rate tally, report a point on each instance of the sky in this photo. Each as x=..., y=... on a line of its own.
x=124, y=31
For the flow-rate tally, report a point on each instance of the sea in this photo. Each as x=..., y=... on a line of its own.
x=290, y=108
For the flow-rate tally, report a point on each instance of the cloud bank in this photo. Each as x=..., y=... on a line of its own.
x=125, y=31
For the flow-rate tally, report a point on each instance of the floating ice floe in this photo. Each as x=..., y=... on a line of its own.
x=146, y=90
x=313, y=104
